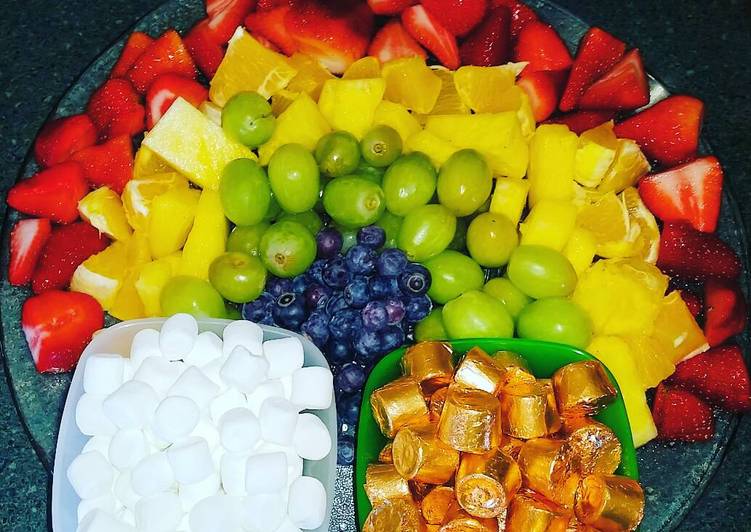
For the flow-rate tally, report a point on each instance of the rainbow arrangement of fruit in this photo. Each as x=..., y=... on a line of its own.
x=372, y=172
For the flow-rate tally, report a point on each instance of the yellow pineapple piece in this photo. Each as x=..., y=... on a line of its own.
x=396, y=116
x=526, y=117
x=480, y=87
x=151, y=280
x=208, y=237
x=281, y=101
x=310, y=75
x=410, y=82
x=652, y=359
x=139, y=192
x=350, y=104
x=549, y=223
x=103, y=209
x=364, y=68
x=609, y=221
x=510, y=198
x=138, y=250
x=302, y=123
x=448, y=101
x=128, y=304
x=552, y=152
x=148, y=163
x=436, y=148
x=171, y=219
x=629, y=165
x=676, y=329
x=102, y=275
x=596, y=153
x=212, y=111
x=580, y=249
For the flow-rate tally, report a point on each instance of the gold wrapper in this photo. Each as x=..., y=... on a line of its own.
x=436, y=504
x=528, y=411
x=480, y=372
x=398, y=404
x=528, y=513
x=437, y=400
x=515, y=369
x=470, y=421
x=429, y=362
x=511, y=446
x=397, y=515
x=457, y=520
x=574, y=525
x=386, y=456
x=432, y=528
x=565, y=495
x=485, y=483
x=545, y=465
x=420, y=490
x=610, y=502
x=420, y=456
x=582, y=388
x=383, y=482
x=595, y=447
x=508, y=359
x=553, y=416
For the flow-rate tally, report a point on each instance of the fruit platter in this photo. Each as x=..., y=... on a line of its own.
x=460, y=189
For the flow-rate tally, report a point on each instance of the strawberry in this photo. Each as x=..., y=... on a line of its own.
x=719, y=375
x=270, y=25
x=389, y=7
x=166, y=54
x=53, y=193
x=581, y=121
x=204, y=50
x=680, y=415
x=521, y=14
x=726, y=310
x=26, y=242
x=543, y=89
x=225, y=16
x=457, y=16
x=109, y=164
x=693, y=255
x=67, y=247
x=60, y=138
x=693, y=302
x=58, y=325
x=429, y=32
x=166, y=89
x=667, y=132
x=134, y=47
x=490, y=42
x=624, y=87
x=392, y=42
x=691, y=192
x=115, y=108
x=598, y=52
x=542, y=47
x=267, y=5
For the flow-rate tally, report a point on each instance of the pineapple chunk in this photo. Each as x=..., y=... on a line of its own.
x=396, y=116
x=103, y=209
x=152, y=278
x=350, y=104
x=437, y=149
x=128, y=304
x=208, y=237
x=310, y=75
x=364, y=68
x=580, y=249
x=411, y=83
x=677, y=330
x=552, y=152
x=549, y=223
x=597, y=147
x=629, y=165
x=171, y=219
x=653, y=359
x=148, y=163
x=526, y=117
x=510, y=198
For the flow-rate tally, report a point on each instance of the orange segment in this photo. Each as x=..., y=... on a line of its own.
x=364, y=68
x=609, y=222
x=480, y=88
x=103, y=209
x=647, y=244
x=676, y=329
x=410, y=82
x=310, y=75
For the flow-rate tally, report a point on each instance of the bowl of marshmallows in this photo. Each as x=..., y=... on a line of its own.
x=196, y=426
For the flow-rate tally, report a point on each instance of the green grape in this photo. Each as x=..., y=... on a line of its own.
x=452, y=274
x=409, y=183
x=349, y=237
x=371, y=173
x=247, y=238
x=464, y=182
x=274, y=209
x=391, y=224
x=338, y=153
x=191, y=295
x=238, y=277
x=459, y=242
x=294, y=178
x=233, y=313
x=426, y=231
x=491, y=238
x=353, y=201
x=431, y=327
x=309, y=219
x=514, y=299
x=539, y=271
x=555, y=319
x=381, y=146
x=247, y=118
x=476, y=314
x=245, y=192
x=288, y=249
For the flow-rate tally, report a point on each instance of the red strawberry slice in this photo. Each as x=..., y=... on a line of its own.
x=581, y=121
x=693, y=302
x=541, y=46
x=719, y=375
x=62, y=137
x=681, y=416
x=134, y=48
x=389, y=7
x=392, y=42
x=166, y=54
x=109, y=164
x=667, y=132
x=166, y=89
x=521, y=14
x=27, y=239
x=726, y=310
x=457, y=16
x=624, y=87
x=490, y=42
x=598, y=52
x=691, y=192
x=225, y=16
x=53, y=193
x=204, y=50
x=115, y=108
x=266, y=5
x=543, y=89
x=693, y=255
x=271, y=26
x=429, y=32
x=58, y=326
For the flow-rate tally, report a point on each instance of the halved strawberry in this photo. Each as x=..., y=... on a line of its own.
x=225, y=16
x=115, y=108
x=458, y=16
x=489, y=43
x=266, y=5
x=581, y=121
x=680, y=415
x=67, y=247
x=541, y=46
x=667, y=132
x=392, y=42
x=598, y=52
x=58, y=325
x=60, y=138
x=543, y=89
x=521, y=14
x=726, y=310
x=204, y=50
x=691, y=192
x=134, y=47
x=166, y=89
x=693, y=302
x=166, y=54
x=389, y=7
x=693, y=255
x=26, y=242
x=624, y=87
x=53, y=193
x=430, y=33
x=271, y=25
x=109, y=164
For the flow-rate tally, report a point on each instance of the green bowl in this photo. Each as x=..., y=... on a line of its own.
x=544, y=358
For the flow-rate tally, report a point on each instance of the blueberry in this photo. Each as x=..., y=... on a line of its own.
x=374, y=316
x=368, y=346
x=392, y=262
x=395, y=310
x=417, y=308
x=335, y=273
x=361, y=259
x=351, y=377
x=335, y=304
x=277, y=286
x=348, y=408
x=345, y=450
x=356, y=293
x=415, y=280
x=316, y=328
x=289, y=311
x=339, y=351
x=384, y=287
x=259, y=308
x=371, y=236
x=329, y=242
x=392, y=338
x=344, y=323
x=315, y=272
x=316, y=296
x=300, y=283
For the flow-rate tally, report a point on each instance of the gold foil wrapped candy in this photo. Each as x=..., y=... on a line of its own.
x=420, y=456
x=470, y=421
x=515, y=369
x=528, y=513
x=457, y=520
x=582, y=388
x=610, y=502
x=477, y=370
x=545, y=465
x=386, y=456
x=594, y=446
x=511, y=446
x=529, y=411
x=429, y=362
x=485, y=484
x=436, y=504
x=437, y=400
x=398, y=515
x=398, y=404
x=383, y=482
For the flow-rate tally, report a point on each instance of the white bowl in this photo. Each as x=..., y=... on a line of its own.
x=117, y=339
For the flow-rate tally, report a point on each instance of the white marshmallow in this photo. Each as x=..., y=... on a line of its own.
x=159, y=513
x=155, y=442
x=264, y=512
x=278, y=420
x=178, y=336
x=159, y=373
x=312, y=440
x=106, y=503
x=244, y=370
x=123, y=490
x=98, y=443
x=208, y=431
x=91, y=475
x=224, y=402
x=127, y=448
x=287, y=526
x=152, y=475
x=90, y=416
x=145, y=344
x=127, y=516
x=190, y=460
x=233, y=473
x=101, y=521
x=195, y=385
x=132, y=405
x=208, y=347
x=285, y=355
x=266, y=473
x=220, y=513
x=191, y=494
x=262, y=392
x=294, y=462
x=175, y=418
x=287, y=386
x=245, y=334
x=213, y=371
x=307, y=503
x=239, y=430
x=312, y=388
x=103, y=373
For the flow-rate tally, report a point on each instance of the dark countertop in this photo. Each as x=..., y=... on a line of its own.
x=701, y=48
